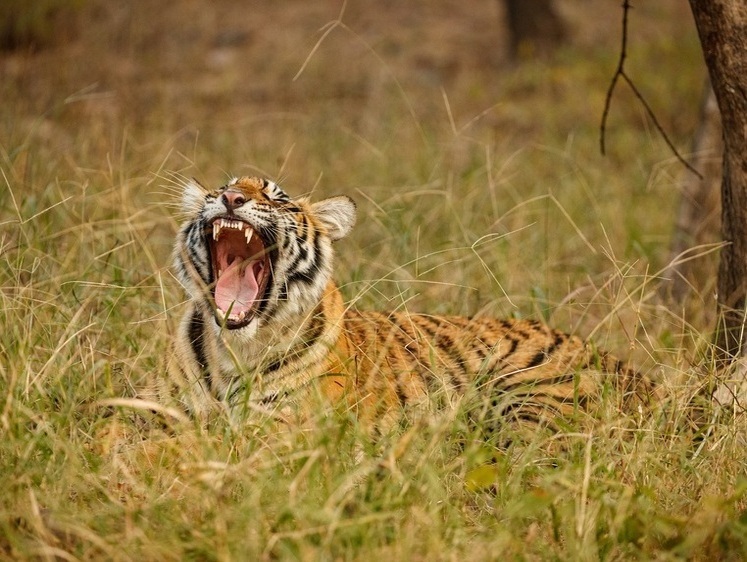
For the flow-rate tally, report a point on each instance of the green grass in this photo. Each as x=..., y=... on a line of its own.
x=480, y=188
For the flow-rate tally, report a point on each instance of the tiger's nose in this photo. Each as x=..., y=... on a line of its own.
x=233, y=199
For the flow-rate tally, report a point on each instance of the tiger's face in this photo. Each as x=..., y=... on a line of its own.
x=251, y=254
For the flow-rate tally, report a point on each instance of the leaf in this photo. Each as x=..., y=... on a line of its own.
x=481, y=478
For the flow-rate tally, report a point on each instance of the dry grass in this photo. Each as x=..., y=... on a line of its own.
x=480, y=187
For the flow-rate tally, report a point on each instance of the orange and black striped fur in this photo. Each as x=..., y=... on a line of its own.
x=266, y=327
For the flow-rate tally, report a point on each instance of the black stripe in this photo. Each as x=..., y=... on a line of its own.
x=302, y=227
x=235, y=392
x=283, y=293
x=502, y=360
x=515, y=327
x=445, y=344
x=448, y=345
x=197, y=340
x=303, y=253
x=476, y=327
x=559, y=340
x=599, y=362
x=514, y=344
x=268, y=236
x=306, y=276
x=410, y=343
x=271, y=398
x=401, y=396
x=537, y=360
x=180, y=266
x=274, y=366
x=310, y=273
x=317, y=247
x=544, y=355
x=300, y=255
x=469, y=330
x=519, y=411
x=537, y=386
x=195, y=242
x=281, y=300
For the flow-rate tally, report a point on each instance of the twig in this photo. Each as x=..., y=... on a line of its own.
x=328, y=28
x=659, y=127
x=620, y=72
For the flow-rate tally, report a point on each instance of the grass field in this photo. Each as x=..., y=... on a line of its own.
x=480, y=188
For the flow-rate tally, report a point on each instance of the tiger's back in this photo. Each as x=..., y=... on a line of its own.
x=525, y=370
x=267, y=326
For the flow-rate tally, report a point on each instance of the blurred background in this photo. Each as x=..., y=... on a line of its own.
x=468, y=134
x=374, y=74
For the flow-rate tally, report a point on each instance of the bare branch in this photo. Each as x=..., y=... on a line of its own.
x=620, y=70
x=620, y=73
x=658, y=126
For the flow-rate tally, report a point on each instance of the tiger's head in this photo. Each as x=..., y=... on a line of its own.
x=252, y=255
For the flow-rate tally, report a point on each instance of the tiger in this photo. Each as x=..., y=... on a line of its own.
x=266, y=328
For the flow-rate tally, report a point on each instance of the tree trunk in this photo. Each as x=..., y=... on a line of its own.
x=534, y=27
x=698, y=217
x=722, y=27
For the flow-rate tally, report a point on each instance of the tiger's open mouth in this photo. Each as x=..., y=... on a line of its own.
x=241, y=271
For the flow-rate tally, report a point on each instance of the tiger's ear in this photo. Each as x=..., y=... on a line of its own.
x=337, y=214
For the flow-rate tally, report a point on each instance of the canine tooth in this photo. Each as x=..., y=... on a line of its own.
x=216, y=230
x=220, y=313
x=248, y=233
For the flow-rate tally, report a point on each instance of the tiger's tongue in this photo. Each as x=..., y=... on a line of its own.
x=236, y=287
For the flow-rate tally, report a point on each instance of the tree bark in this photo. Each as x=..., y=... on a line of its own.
x=534, y=27
x=698, y=217
x=722, y=27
